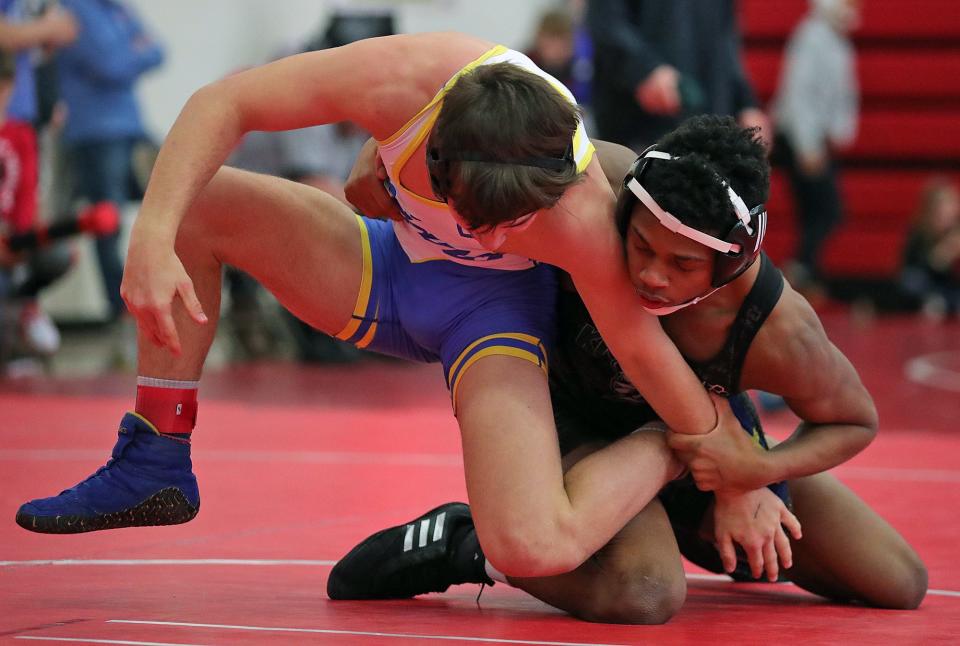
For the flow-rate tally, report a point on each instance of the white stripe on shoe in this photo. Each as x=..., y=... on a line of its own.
x=438, y=527
x=424, y=533
x=408, y=539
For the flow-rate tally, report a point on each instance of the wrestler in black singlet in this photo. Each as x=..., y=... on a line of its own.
x=593, y=399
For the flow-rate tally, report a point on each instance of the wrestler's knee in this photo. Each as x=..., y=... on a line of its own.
x=644, y=596
x=907, y=586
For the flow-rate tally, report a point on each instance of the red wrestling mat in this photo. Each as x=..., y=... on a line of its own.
x=296, y=465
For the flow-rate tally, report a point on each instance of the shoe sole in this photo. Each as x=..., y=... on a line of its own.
x=166, y=507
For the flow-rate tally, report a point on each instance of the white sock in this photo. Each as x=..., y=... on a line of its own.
x=153, y=382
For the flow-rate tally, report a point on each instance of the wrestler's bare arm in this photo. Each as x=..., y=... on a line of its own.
x=579, y=236
x=793, y=357
x=377, y=83
x=350, y=83
x=790, y=356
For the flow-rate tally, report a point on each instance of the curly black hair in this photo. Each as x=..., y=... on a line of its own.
x=709, y=147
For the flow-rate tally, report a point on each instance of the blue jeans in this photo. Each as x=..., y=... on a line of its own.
x=103, y=171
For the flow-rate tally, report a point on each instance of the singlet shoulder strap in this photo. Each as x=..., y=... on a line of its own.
x=759, y=303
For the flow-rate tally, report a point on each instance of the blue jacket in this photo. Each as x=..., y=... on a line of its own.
x=98, y=71
x=23, y=101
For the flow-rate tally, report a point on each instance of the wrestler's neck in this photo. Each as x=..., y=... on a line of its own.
x=700, y=331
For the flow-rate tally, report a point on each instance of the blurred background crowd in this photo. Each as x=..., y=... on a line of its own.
x=858, y=101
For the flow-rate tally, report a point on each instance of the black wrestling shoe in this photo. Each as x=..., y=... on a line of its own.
x=418, y=557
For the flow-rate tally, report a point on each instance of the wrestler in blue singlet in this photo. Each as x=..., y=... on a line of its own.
x=431, y=291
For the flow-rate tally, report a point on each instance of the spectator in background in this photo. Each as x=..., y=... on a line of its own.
x=552, y=48
x=816, y=112
x=322, y=157
x=24, y=274
x=32, y=30
x=658, y=62
x=562, y=48
x=931, y=258
x=98, y=73
x=20, y=35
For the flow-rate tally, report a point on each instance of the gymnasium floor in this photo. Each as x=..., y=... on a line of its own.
x=297, y=464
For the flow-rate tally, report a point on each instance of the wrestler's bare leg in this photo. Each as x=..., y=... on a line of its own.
x=300, y=243
x=305, y=247
x=848, y=552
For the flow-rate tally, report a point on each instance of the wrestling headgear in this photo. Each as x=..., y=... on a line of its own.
x=736, y=250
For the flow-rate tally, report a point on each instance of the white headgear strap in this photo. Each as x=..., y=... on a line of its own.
x=670, y=309
x=672, y=223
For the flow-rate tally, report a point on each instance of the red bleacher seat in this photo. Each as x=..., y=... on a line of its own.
x=878, y=210
x=883, y=74
x=894, y=19
x=908, y=65
x=852, y=251
x=879, y=198
x=908, y=134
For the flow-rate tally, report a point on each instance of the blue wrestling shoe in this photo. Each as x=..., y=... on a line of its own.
x=428, y=554
x=147, y=481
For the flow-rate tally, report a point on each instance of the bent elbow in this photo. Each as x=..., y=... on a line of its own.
x=219, y=97
x=203, y=96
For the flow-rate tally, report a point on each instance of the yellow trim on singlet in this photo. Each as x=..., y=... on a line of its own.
x=578, y=135
x=494, y=350
x=372, y=332
x=407, y=140
x=407, y=153
x=366, y=284
x=518, y=336
x=591, y=149
x=494, y=51
x=427, y=126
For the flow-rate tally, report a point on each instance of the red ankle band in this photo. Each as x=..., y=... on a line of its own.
x=171, y=410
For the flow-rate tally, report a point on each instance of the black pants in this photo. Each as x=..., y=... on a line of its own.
x=819, y=207
x=40, y=269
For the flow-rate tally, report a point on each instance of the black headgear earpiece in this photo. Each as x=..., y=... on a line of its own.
x=736, y=250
